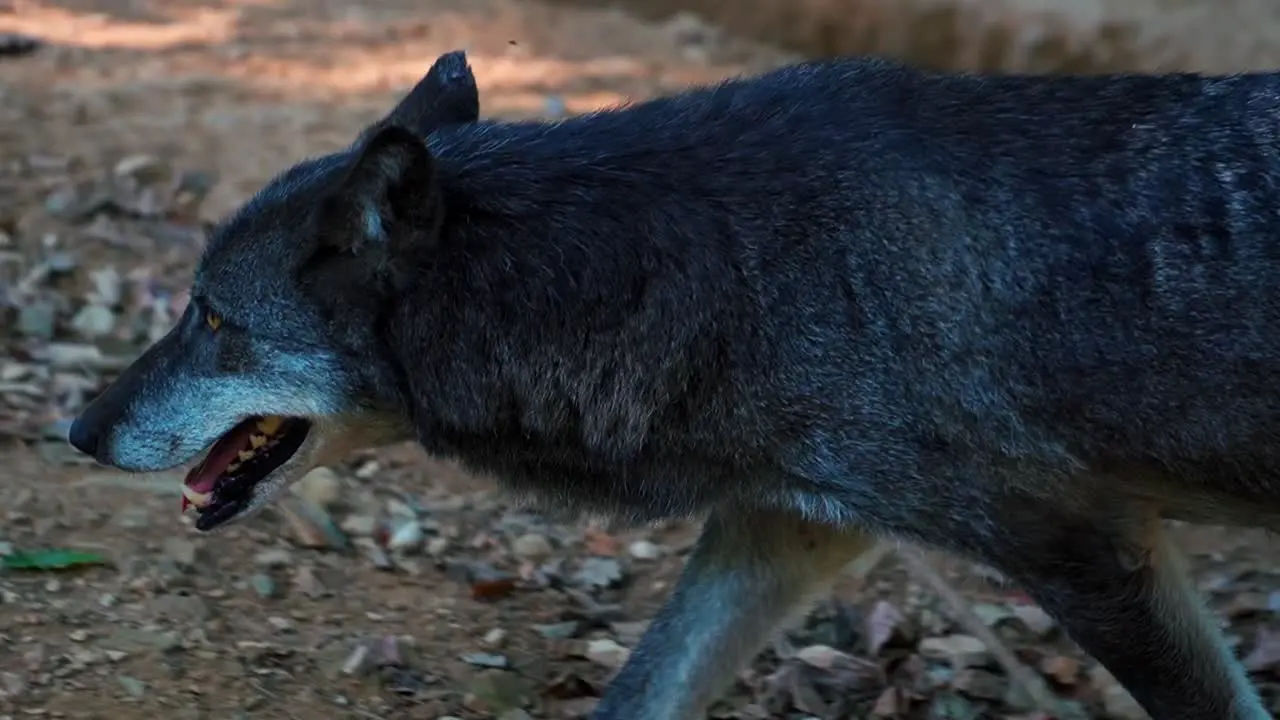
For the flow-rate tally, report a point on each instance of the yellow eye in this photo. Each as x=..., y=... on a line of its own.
x=213, y=320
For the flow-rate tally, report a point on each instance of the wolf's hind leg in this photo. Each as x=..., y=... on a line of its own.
x=1120, y=590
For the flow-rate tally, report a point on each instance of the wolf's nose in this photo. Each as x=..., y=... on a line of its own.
x=82, y=437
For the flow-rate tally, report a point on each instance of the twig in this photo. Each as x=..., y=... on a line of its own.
x=1031, y=684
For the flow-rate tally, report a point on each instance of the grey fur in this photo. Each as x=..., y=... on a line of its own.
x=1023, y=319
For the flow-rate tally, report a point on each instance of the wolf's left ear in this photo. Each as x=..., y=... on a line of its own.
x=446, y=95
x=388, y=193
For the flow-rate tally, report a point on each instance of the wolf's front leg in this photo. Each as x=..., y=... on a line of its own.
x=750, y=570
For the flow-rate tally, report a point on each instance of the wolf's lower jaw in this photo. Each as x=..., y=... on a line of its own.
x=221, y=486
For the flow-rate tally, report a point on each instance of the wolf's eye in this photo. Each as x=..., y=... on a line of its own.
x=213, y=320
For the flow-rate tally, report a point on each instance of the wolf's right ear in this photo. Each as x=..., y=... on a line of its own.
x=446, y=95
x=388, y=193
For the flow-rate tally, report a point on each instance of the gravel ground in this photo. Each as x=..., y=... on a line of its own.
x=391, y=586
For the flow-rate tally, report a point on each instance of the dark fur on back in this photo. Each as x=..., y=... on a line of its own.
x=818, y=285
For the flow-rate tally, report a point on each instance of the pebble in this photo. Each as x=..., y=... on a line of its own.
x=282, y=624
x=273, y=557
x=263, y=585
x=406, y=536
x=37, y=319
x=362, y=525
x=488, y=660
x=599, y=572
x=494, y=637
x=437, y=545
x=558, y=631
x=607, y=652
x=107, y=286
x=133, y=686
x=93, y=321
x=321, y=486
x=644, y=550
x=532, y=546
x=823, y=657
x=962, y=651
x=1039, y=622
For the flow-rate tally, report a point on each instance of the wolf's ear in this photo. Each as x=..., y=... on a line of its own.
x=446, y=95
x=388, y=193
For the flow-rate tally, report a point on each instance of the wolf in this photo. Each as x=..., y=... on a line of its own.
x=1023, y=319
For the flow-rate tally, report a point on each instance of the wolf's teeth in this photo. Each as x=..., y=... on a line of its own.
x=245, y=455
x=257, y=441
x=270, y=424
x=195, y=497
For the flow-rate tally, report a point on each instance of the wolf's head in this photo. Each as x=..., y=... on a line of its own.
x=275, y=367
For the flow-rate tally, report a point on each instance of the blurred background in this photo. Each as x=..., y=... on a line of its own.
x=397, y=587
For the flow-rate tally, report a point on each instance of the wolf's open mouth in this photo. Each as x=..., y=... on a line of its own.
x=222, y=483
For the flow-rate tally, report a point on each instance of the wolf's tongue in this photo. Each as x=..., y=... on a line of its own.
x=203, y=476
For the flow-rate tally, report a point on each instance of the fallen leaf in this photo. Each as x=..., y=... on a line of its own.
x=882, y=625
x=492, y=589
x=51, y=559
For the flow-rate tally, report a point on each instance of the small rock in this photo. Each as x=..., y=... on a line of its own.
x=273, y=558
x=558, y=631
x=406, y=536
x=78, y=635
x=962, y=651
x=133, y=686
x=116, y=655
x=263, y=585
x=629, y=632
x=144, y=168
x=93, y=321
x=282, y=624
x=312, y=526
x=321, y=486
x=532, y=546
x=606, y=652
x=360, y=525
x=437, y=546
x=37, y=320
x=1039, y=622
x=495, y=637
x=488, y=660
x=62, y=263
x=599, y=572
x=823, y=657
x=107, y=286
x=357, y=661
x=644, y=550
x=180, y=550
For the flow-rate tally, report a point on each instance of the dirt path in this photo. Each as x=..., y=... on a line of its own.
x=489, y=610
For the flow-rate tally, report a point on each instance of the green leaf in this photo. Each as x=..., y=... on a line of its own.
x=52, y=559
